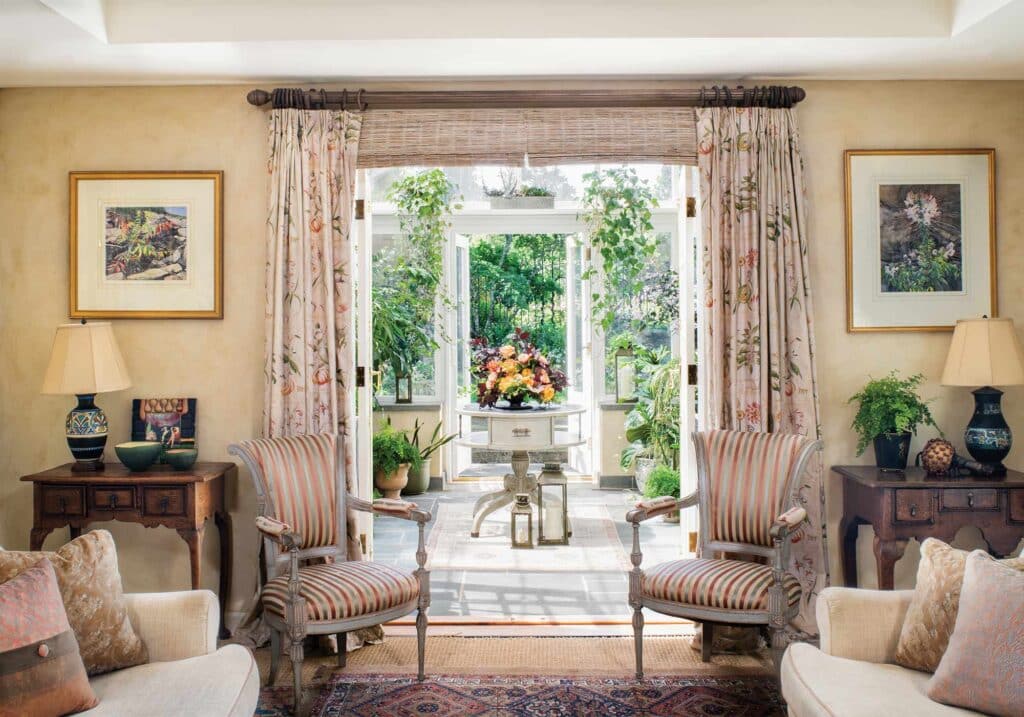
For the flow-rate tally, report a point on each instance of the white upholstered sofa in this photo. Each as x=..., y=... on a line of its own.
x=186, y=673
x=853, y=674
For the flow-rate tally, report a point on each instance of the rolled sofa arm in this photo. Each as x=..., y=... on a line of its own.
x=177, y=625
x=861, y=624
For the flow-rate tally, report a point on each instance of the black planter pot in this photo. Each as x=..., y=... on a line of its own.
x=892, y=451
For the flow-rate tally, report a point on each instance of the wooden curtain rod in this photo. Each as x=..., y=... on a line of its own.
x=368, y=100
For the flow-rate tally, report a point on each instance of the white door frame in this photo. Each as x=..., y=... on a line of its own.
x=362, y=261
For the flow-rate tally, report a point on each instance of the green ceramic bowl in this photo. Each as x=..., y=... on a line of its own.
x=180, y=459
x=138, y=455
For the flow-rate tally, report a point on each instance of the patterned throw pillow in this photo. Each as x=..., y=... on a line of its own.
x=932, y=613
x=41, y=672
x=982, y=667
x=90, y=584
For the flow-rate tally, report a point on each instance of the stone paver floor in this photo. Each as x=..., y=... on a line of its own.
x=501, y=594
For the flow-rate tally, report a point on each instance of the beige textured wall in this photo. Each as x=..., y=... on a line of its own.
x=46, y=133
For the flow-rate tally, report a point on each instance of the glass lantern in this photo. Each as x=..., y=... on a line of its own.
x=403, y=388
x=552, y=513
x=522, y=522
x=625, y=376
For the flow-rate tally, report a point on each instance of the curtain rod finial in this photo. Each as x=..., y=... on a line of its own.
x=797, y=94
x=258, y=97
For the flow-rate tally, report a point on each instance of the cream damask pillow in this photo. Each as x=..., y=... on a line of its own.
x=90, y=586
x=932, y=613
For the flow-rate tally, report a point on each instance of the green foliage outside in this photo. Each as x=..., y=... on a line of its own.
x=391, y=448
x=889, y=405
x=662, y=481
x=652, y=427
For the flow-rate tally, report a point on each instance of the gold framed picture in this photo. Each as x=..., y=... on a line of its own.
x=920, y=238
x=146, y=245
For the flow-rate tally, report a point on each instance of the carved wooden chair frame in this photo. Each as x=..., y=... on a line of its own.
x=778, y=612
x=282, y=556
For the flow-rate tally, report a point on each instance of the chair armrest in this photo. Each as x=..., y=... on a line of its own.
x=647, y=509
x=387, y=506
x=281, y=533
x=177, y=625
x=861, y=624
x=788, y=523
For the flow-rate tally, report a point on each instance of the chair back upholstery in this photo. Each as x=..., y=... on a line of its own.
x=297, y=477
x=747, y=480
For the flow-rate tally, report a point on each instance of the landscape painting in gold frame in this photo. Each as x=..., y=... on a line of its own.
x=920, y=238
x=146, y=245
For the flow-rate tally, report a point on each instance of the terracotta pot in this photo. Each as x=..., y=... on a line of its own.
x=419, y=480
x=391, y=485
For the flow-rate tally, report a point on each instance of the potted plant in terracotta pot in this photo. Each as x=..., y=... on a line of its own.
x=889, y=412
x=663, y=480
x=393, y=455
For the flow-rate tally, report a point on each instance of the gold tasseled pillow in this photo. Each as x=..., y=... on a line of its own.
x=932, y=613
x=90, y=585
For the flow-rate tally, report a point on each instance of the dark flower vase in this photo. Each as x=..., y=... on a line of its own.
x=892, y=451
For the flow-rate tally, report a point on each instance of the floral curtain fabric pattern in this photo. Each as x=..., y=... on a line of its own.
x=757, y=335
x=310, y=356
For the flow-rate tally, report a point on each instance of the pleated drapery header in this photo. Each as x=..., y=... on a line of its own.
x=541, y=137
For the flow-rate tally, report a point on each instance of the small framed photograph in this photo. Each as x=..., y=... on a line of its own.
x=920, y=238
x=146, y=245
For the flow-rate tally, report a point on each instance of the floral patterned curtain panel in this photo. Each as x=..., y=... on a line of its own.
x=757, y=332
x=310, y=356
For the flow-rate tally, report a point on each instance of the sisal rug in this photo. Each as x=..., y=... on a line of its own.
x=593, y=547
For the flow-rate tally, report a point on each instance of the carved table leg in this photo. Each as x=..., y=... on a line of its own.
x=194, y=538
x=887, y=552
x=36, y=538
x=848, y=530
x=223, y=520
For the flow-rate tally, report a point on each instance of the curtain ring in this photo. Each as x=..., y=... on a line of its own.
x=718, y=94
x=323, y=98
x=361, y=99
x=700, y=100
x=344, y=100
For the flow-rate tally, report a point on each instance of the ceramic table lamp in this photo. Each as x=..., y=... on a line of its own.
x=986, y=353
x=85, y=360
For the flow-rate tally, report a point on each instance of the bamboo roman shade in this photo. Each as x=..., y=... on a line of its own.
x=451, y=138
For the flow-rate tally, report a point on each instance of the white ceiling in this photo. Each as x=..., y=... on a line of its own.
x=124, y=42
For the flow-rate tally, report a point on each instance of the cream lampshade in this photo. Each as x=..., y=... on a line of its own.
x=85, y=360
x=986, y=352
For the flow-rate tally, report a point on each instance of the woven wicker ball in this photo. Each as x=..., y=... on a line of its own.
x=937, y=456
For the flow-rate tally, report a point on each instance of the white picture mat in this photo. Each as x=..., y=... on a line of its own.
x=873, y=309
x=96, y=293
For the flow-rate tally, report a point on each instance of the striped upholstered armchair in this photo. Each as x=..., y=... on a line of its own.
x=746, y=483
x=302, y=512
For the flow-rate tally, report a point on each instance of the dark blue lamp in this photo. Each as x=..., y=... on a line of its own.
x=986, y=352
x=85, y=360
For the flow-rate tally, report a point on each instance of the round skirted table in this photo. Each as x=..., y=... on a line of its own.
x=519, y=431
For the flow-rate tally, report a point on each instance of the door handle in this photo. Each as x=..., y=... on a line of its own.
x=165, y=503
x=112, y=500
x=520, y=432
x=913, y=511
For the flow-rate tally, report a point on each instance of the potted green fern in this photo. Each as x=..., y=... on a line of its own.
x=663, y=480
x=889, y=412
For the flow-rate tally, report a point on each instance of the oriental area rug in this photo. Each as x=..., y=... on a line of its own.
x=528, y=677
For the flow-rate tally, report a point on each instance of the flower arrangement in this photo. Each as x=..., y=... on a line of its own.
x=516, y=371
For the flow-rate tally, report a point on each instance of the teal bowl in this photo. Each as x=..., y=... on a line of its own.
x=180, y=459
x=138, y=455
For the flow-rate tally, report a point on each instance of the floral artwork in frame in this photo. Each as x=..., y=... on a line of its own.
x=146, y=245
x=920, y=238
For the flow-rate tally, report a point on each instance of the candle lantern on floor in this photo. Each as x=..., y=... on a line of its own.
x=552, y=506
x=522, y=521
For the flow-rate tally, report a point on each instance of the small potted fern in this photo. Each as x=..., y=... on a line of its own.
x=663, y=480
x=393, y=456
x=889, y=412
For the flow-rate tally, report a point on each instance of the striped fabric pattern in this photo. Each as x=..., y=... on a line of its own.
x=747, y=479
x=726, y=584
x=336, y=591
x=299, y=475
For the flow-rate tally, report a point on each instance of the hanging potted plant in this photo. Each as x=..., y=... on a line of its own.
x=889, y=412
x=393, y=456
x=419, y=476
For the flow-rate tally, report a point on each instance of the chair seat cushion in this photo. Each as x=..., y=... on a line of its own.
x=723, y=584
x=338, y=591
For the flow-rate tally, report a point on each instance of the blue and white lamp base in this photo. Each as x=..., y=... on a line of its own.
x=988, y=437
x=86, y=430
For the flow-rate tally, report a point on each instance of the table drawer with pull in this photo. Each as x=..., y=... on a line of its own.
x=63, y=501
x=113, y=498
x=913, y=506
x=522, y=433
x=969, y=499
x=163, y=501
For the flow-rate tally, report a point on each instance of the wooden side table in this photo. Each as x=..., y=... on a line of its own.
x=911, y=504
x=160, y=496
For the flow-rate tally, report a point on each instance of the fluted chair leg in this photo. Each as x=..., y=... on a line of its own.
x=421, y=643
x=638, y=640
x=297, y=655
x=707, y=640
x=778, y=647
x=275, y=656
